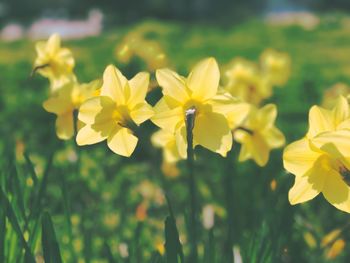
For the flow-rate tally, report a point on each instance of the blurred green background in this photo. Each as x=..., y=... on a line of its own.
x=116, y=206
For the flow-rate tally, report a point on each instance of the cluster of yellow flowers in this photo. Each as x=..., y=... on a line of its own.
x=223, y=114
x=113, y=109
x=66, y=93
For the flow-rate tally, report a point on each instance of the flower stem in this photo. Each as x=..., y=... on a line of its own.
x=228, y=186
x=190, y=116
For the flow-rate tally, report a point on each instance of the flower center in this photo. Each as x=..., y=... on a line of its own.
x=343, y=171
x=122, y=116
x=199, y=107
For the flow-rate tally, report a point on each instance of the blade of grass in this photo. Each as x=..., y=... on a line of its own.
x=135, y=256
x=209, y=252
x=14, y=222
x=2, y=229
x=30, y=168
x=36, y=208
x=50, y=245
x=17, y=189
x=173, y=247
x=67, y=213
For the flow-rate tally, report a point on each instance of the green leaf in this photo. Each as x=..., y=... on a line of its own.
x=2, y=229
x=36, y=208
x=14, y=222
x=17, y=189
x=30, y=168
x=50, y=245
x=66, y=205
x=173, y=247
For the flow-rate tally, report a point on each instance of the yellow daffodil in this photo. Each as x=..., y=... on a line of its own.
x=53, y=61
x=197, y=93
x=136, y=45
x=276, y=66
x=321, y=160
x=58, y=82
x=112, y=115
x=330, y=96
x=258, y=135
x=65, y=100
x=244, y=81
x=167, y=141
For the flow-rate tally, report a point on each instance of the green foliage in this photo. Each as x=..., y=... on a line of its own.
x=50, y=245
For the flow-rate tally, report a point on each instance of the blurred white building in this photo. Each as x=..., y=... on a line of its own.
x=68, y=29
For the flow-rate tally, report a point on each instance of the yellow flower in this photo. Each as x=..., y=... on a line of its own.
x=330, y=96
x=198, y=92
x=53, y=60
x=167, y=141
x=321, y=160
x=136, y=45
x=245, y=82
x=112, y=115
x=258, y=135
x=276, y=66
x=58, y=82
x=64, y=101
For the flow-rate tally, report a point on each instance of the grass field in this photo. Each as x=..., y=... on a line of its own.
x=106, y=208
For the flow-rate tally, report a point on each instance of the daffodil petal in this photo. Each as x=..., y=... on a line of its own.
x=308, y=186
x=122, y=141
x=336, y=143
x=181, y=141
x=167, y=118
x=161, y=138
x=341, y=110
x=57, y=105
x=141, y=112
x=253, y=147
x=298, y=157
x=96, y=109
x=65, y=126
x=203, y=81
x=66, y=59
x=171, y=153
x=113, y=84
x=260, y=150
x=53, y=44
x=336, y=191
x=245, y=152
x=234, y=110
x=167, y=141
x=267, y=115
x=40, y=49
x=320, y=120
x=93, y=133
x=274, y=137
x=211, y=130
x=138, y=88
x=172, y=84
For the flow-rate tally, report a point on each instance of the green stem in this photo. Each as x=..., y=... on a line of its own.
x=190, y=117
x=228, y=186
